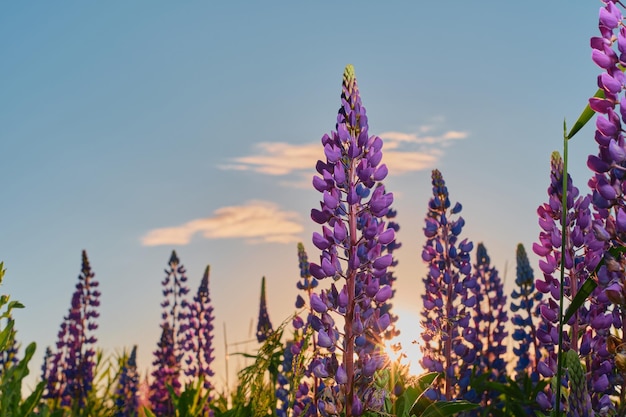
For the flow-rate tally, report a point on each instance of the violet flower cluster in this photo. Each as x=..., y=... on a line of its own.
x=306, y=384
x=449, y=338
x=166, y=373
x=609, y=165
x=526, y=318
x=588, y=328
x=354, y=233
x=170, y=349
x=69, y=371
x=198, y=343
x=126, y=395
x=390, y=278
x=264, y=326
x=489, y=320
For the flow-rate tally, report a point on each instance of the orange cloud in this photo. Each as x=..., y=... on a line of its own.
x=403, y=153
x=255, y=221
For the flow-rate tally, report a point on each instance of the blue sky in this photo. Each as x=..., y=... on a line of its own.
x=130, y=129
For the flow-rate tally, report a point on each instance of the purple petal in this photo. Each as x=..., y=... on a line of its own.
x=323, y=340
x=320, y=242
x=600, y=105
x=381, y=173
x=339, y=174
x=317, y=304
x=597, y=165
x=383, y=262
x=387, y=236
x=383, y=294
x=602, y=59
x=616, y=151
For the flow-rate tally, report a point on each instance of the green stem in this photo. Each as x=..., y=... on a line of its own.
x=559, y=361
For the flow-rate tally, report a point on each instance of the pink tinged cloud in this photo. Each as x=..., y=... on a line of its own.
x=281, y=159
x=278, y=158
x=255, y=221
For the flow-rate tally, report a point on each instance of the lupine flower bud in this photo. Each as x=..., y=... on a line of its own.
x=264, y=326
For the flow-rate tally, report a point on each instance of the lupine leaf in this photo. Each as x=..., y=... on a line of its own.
x=584, y=117
x=412, y=394
x=5, y=334
x=587, y=288
x=447, y=408
x=422, y=402
x=32, y=400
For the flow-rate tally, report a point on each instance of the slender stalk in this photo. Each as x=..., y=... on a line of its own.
x=559, y=360
x=226, y=361
x=449, y=327
x=348, y=357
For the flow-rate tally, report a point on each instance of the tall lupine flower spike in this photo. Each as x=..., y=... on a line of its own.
x=353, y=234
x=609, y=165
x=170, y=350
x=489, y=321
x=449, y=338
x=70, y=370
x=525, y=325
x=264, y=327
x=307, y=385
x=589, y=326
x=126, y=396
x=199, y=336
x=166, y=373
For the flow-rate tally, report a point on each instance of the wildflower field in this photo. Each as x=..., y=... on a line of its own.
x=565, y=318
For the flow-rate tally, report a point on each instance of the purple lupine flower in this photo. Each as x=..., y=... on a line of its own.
x=608, y=182
x=351, y=213
x=199, y=336
x=306, y=384
x=264, y=327
x=389, y=278
x=583, y=251
x=70, y=370
x=525, y=328
x=449, y=338
x=282, y=380
x=170, y=349
x=126, y=395
x=489, y=320
x=166, y=373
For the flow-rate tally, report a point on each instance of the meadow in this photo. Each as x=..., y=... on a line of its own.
x=565, y=318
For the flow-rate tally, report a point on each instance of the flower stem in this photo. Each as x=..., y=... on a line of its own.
x=559, y=360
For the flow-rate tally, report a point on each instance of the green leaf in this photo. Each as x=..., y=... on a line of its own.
x=587, y=288
x=148, y=413
x=5, y=334
x=15, y=304
x=422, y=402
x=447, y=408
x=584, y=117
x=32, y=400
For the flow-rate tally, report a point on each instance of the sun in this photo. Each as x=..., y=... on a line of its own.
x=406, y=346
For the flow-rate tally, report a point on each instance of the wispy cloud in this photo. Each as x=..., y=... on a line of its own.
x=278, y=158
x=404, y=152
x=256, y=221
x=442, y=140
